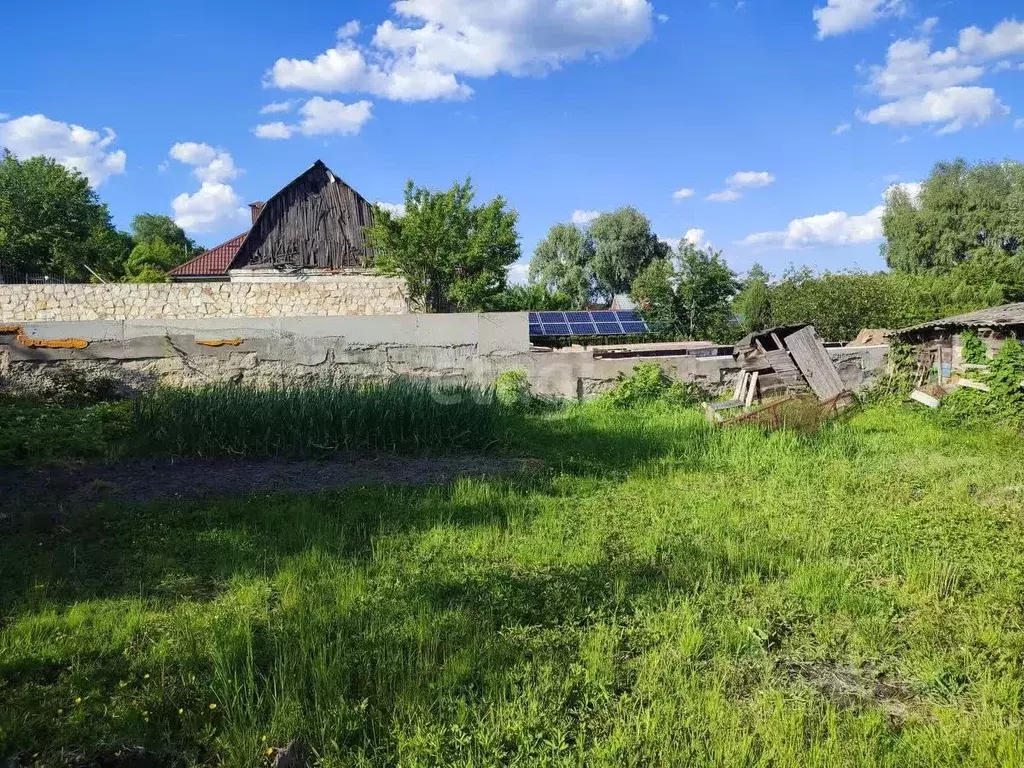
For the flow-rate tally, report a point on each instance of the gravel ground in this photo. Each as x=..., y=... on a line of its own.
x=58, y=489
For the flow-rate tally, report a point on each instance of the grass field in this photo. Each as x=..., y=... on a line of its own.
x=663, y=594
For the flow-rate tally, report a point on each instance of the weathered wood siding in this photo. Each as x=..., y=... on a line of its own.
x=316, y=222
x=817, y=366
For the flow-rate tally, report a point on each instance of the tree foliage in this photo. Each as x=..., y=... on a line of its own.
x=453, y=255
x=964, y=212
x=528, y=298
x=753, y=306
x=160, y=246
x=692, y=299
x=52, y=222
x=563, y=262
x=624, y=246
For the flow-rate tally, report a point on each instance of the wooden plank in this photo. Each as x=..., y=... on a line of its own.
x=741, y=382
x=814, y=363
x=753, y=389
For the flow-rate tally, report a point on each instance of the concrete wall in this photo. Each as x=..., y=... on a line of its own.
x=141, y=354
x=349, y=294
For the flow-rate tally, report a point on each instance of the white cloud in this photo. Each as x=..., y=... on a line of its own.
x=957, y=107
x=276, y=130
x=3, y=116
x=835, y=228
x=582, y=218
x=519, y=273
x=421, y=53
x=750, y=179
x=842, y=16
x=936, y=86
x=725, y=196
x=682, y=194
x=321, y=117
x=1019, y=124
x=1005, y=39
x=696, y=238
x=208, y=164
x=86, y=151
x=349, y=29
x=395, y=209
x=214, y=206
x=840, y=129
x=278, y=107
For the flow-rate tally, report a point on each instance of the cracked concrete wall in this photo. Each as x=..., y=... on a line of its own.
x=349, y=294
x=142, y=354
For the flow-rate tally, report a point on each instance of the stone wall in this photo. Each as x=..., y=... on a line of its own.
x=142, y=354
x=343, y=295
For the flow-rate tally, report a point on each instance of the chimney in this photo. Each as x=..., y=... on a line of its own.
x=255, y=209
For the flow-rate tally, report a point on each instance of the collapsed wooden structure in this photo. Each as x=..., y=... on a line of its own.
x=781, y=364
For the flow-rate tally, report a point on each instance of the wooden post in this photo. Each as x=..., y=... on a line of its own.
x=753, y=389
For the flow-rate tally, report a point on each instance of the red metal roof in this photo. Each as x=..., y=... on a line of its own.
x=211, y=263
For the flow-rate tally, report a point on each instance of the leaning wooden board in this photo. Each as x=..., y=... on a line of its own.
x=815, y=363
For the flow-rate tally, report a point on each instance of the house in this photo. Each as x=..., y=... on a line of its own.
x=309, y=230
x=944, y=338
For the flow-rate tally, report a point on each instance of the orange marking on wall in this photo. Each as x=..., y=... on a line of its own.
x=34, y=343
x=220, y=342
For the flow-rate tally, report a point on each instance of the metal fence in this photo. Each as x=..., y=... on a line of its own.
x=26, y=278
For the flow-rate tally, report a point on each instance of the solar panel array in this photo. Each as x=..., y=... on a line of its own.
x=602, y=323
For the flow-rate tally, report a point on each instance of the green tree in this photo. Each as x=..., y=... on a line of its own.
x=453, y=255
x=147, y=227
x=150, y=262
x=964, y=211
x=693, y=300
x=563, y=262
x=528, y=298
x=52, y=222
x=623, y=248
x=706, y=289
x=753, y=305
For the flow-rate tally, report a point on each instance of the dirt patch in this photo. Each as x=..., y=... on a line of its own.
x=62, y=488
x=848, y=686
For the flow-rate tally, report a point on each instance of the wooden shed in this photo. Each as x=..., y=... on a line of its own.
x=941, y=341
x=315, y=222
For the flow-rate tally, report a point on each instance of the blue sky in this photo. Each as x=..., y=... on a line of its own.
x=796, y=115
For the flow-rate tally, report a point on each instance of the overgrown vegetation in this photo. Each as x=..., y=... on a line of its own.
x=665, y=593
x=403, y=416
x=1002, y=404
x=649, y=384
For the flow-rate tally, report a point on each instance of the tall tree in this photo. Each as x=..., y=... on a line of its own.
x=691, y=300
x=147, y=227
x=706, y=289
x=52, y=222
x=963, y=211
x=753, y=304
x=623, y=247
x=453, y=255
x=159, y=246
x=563, y=262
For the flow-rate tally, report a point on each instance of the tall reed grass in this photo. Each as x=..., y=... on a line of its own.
x=398, y=415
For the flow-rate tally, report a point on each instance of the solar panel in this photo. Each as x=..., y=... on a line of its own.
x=600, y=323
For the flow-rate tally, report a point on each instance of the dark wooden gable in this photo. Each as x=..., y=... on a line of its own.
x=315, y=222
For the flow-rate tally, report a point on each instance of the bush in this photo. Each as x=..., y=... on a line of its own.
x=974, y=349
x=649, y=384
x=512, y=389
x=1003, y=404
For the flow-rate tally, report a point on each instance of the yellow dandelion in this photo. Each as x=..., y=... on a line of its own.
x=264, y=738
x=181, y=711
x=146, y=676
x=213, y=706
x=60, y=711
x=78, y=700
x=269, y=751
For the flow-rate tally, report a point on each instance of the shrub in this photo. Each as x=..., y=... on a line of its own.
x=649, y=384
x=974, y=349
x=512, y=389
x=1003, y=404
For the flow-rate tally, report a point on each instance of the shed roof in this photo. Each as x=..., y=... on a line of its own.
x=211, y=263
x=783, y=330
x=993, y=317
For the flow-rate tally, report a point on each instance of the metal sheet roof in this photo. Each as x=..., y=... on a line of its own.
x=993, y=317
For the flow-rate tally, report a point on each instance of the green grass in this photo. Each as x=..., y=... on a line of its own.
x=398, y=415
x=667, y=594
